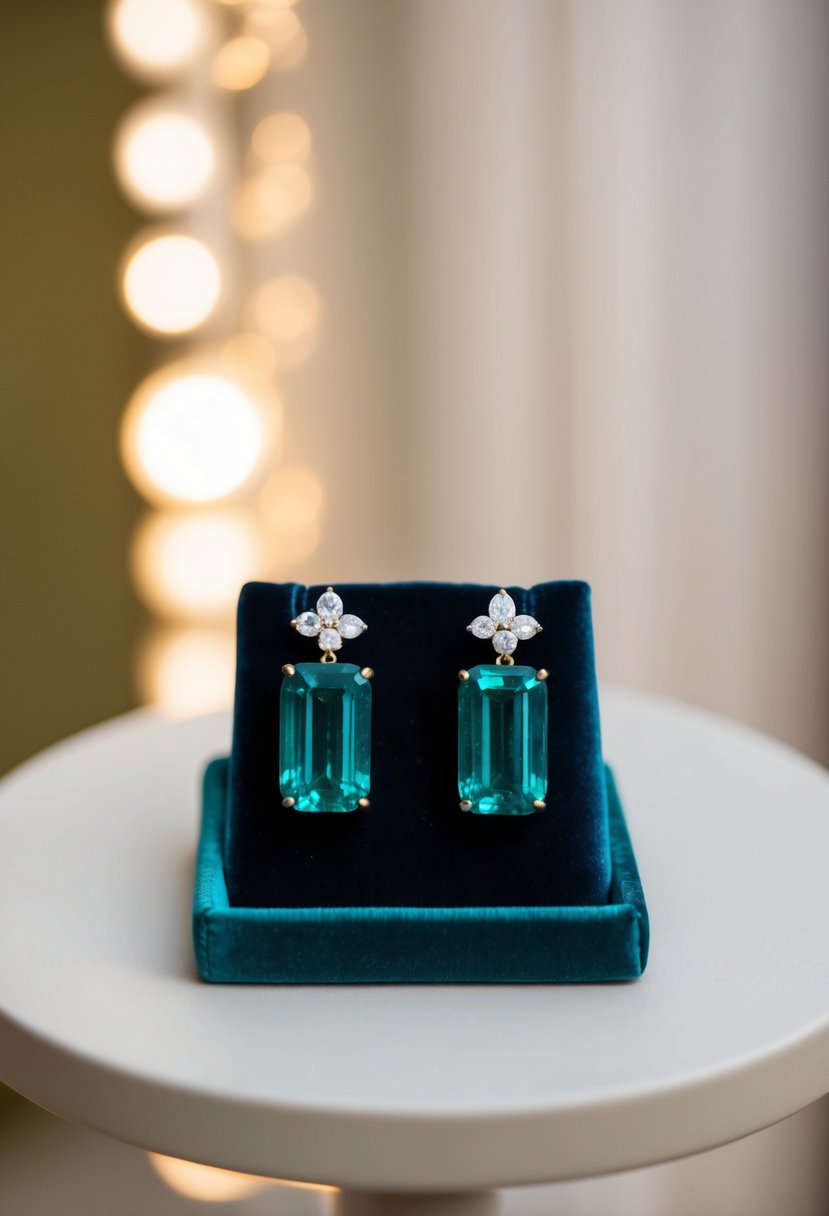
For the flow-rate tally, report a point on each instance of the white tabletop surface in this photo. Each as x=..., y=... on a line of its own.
x=103, y=1018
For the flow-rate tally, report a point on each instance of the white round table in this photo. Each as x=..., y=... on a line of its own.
x=418, y=1091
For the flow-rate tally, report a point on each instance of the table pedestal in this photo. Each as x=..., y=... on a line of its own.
x=364, y=1203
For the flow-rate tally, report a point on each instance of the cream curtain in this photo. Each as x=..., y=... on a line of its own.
x=573, y=262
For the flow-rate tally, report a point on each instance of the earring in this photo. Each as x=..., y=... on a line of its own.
x=325, y=717
x=502, y=721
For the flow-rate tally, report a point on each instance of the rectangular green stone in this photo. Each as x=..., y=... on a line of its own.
x=502, y=740
x=325, y=737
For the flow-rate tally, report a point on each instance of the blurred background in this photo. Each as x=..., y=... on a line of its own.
x=461, y=290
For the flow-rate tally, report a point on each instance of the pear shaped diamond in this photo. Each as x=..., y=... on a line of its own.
x=329, y=606
x=502, y=609
x=482, y=627
x=350, y=626
x=308, y=624
x=504, y=641
x=330, y=640
x=525, y=627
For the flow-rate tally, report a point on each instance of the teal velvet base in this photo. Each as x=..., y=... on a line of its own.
x=406, y=945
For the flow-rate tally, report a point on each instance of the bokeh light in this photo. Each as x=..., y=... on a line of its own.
x=291, y=500
x=187, y=671
x=196, y=435
x=280, y=28
x=282, y=138
x=204, y=429
x=291, y=503
x=289, y=550
x=170, y=283
x=247, y=352
x=286, y=310
x=241, y=63
x=164, y=157
x=191, y=564
x=156, y=39
x=208, y=1184
x=266, y=203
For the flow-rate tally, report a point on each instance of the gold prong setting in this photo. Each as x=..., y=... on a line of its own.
x=465, y=804
x=288, y=803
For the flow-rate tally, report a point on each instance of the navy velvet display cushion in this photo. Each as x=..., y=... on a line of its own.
x=414, y=848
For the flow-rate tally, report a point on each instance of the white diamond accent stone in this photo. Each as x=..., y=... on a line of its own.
x=330, y=607
x=350, y=626
x=308, y=624
x=504, y=641
x=330, y=640
x=501, y=608
x=482, y=627
x=525, y=627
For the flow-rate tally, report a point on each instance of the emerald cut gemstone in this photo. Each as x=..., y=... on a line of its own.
x=502, y=739
x=325, y=737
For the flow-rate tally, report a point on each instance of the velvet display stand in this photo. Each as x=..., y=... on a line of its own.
x=414, y=890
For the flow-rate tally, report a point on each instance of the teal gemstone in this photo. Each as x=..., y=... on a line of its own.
x=325, y=737
x=502, y=740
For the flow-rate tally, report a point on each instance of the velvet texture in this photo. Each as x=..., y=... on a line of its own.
x=414, y=848
x=355, y=945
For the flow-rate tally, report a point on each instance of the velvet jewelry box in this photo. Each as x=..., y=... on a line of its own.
x=412, y=890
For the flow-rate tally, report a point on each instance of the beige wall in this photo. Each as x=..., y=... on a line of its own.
x=68, y=362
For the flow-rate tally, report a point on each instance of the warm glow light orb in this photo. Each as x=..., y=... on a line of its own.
x=291, y=500
x=290, y=549
x=282, y=31
x=208, y=1184
x=156, y=39
x=185, y=672
x=247, y=352
x=171, y=283
x=266, y=203
x=282, y=138
x=164, y=157
x=192, y=436
x=286, y=309
x=241, y=63
x=191, y=564
x=290, y=503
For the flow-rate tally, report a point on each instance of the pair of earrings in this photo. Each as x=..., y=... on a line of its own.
x=325, y=719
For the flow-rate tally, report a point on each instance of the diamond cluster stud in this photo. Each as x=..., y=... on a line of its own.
x=503, y=627
x=329, y=624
